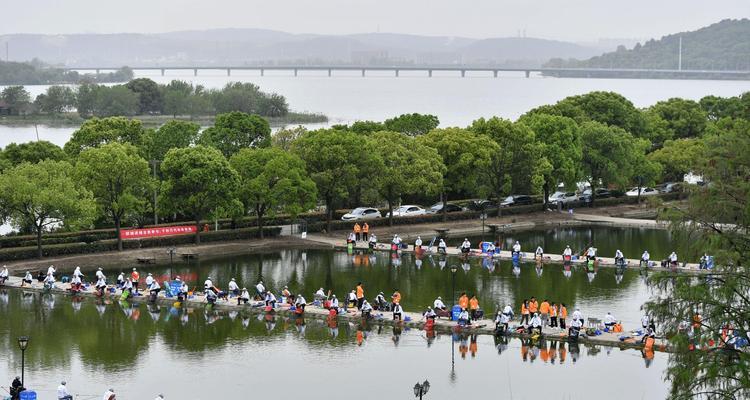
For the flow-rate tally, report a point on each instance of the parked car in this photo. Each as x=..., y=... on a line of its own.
x=600, y=194
x=563, y=197
x=407, y=211
x=645, y=191
x=361, y=213
x=481, y=205
x=669, y=187
x=516, y=200
x=438, y=207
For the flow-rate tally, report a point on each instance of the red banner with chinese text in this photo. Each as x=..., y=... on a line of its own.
x=154, y=232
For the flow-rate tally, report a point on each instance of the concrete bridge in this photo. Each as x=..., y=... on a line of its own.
x=458, y=69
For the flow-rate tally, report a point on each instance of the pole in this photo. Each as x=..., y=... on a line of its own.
x=23, y=366
x=679, y=60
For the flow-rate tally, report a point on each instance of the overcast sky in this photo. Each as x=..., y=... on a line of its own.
x=575, y=20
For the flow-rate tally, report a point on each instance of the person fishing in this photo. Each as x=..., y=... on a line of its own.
x=535, y=324
x=463, y=318
x=208, y=285
x=182, y=291
x=418, y=244
x=609, y=321
x=398, y=312
x=4, y=275
x=120, y=280
x=270, y=299
x=645, y=258
x=286, y=293
x=577, y=316
x=135, y=276
x=127, y=288
x=101, y=285
x=233, y=288
x=366, y=309
x=351, y=238
x=100, y=274
x=490, y=249
x=501, y=321
x=591, y=253
x=438, y=304
x=380, y=302
x=51, y=270
x=16, y=388
x=575, y=328
x=260, y=289
x=153, y=290
x=149, y=280
x=27, y=279
x=429, y=314
x=673, y=260
x=62, y=392
x=300, y=303
x=619, y=258
x=320, y=295
x=244, y=297
x=442, y=247
x=335, y=303
x=517, y=249
x=77, y=272
x=465, y=246
x=76, y=285
x=372, y=242
x=539, y=253
x=352, y=299
x=567, y=253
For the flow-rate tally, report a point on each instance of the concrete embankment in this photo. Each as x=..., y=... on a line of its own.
x=411, y=319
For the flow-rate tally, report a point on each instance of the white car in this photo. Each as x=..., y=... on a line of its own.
x=361, y=213
x=645, y=191
x=563, y=197
x=407, y=211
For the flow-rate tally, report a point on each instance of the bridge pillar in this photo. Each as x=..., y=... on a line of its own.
x=329, y=72
x=528, y=74
x=162, y=72
x=396, y=73
x=463, y=73
x=195, y=72
x=262, y=72
x=363, y=72
x=229, y=72
x=429, y=73
x=494, y=73
x=295, y=72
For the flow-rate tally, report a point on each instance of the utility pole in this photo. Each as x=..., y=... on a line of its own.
x=7, y=59
x=156, y=214
x=679, y=60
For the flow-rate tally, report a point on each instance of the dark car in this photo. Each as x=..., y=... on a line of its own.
x=517, y=200
x=481, y=205
x=438, y=207
x=600, y=194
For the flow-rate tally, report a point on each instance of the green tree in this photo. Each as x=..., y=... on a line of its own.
x=17, y=99
x=717, y=108
x=57, y=99
x=173, y=134
x=116, y=175
x=409, y=167
x=98, y=131
x=198, y=181
x=237, y=97
x=465, y=155
x=684, y=118
x=609, y=155
x=412, y=124
x=33, y=152
x=177, y=98
x=562, y=148
x=645, y=171
x=364, y=127
x=150, y=98
x=609, y=108
x=519, y=165
x=86, y=99
x=678, y=157
x=44, y=196
x=273, y=105
x=115, y=101
x=235, y=131
x=273, y=180
x=335, y=160
x=715, y=220
x=284, y=138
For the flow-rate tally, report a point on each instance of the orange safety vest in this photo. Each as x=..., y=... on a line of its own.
x=563, y=312
x=357, y=228
x=524, y=310
x=544, y=309
x=397, y=297
x=365, y=228
x=533, y=306
x=360, y=292
x=473, y=304
x=553, y=311
x=463, y=301
x=135, y=276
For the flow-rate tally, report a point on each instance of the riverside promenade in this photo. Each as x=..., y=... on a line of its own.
x=411, y=320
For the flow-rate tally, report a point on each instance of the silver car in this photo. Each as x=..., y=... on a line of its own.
x=361, y=213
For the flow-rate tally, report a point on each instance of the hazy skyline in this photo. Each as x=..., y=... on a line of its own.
x=573, y=20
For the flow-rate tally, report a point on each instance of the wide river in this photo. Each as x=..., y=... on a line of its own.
x=457, y=101
x=142, y=350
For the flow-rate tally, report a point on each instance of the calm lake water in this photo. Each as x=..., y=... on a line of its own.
x=457, y=101
x=130, y=346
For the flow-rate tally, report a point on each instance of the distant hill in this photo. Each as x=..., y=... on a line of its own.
x=260, y=46
x=722, y=46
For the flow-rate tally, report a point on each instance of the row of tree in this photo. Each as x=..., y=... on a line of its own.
x=36, y=72
x=143, y=96
x=236, y=167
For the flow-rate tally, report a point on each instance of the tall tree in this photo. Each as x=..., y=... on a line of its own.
x=703, y=316
x=335, y=160
x=176, y=96
x=44, y=196
x=17, y=98
x=465, y=155
x=33, y=152
x=117, y=176
x=273, y=180
x=56, y=100
x=173, y=134
x=412, y=124
x=409, y=167
x=236, y=130
x=561, y=141
x=519, y=165
x=678, y=157
x=684, y=118
x=284, y=138
x=96, y=132
x=198, y=181
x=608, y=108
x=150, y=98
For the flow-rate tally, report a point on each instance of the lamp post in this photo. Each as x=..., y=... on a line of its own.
x=421, y=389
x=23, y=343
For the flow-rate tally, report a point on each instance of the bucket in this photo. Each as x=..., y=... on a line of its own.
x=485, y=246
x=28, y=395
x=455, y=312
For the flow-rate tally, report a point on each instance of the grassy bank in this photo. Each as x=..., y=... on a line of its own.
x=75, y=120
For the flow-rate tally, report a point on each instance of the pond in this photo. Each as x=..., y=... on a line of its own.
x=194, y=354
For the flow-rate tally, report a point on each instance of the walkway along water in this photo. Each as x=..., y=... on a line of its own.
x=411, y=319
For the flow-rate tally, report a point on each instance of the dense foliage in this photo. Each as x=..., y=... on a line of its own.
x=37, y=73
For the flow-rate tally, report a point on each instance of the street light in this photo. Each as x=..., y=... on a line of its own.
x=23, y=343
x=421, y=389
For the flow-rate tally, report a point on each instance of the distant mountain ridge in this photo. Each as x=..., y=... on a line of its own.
x=724, y=45
x=256, y=46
